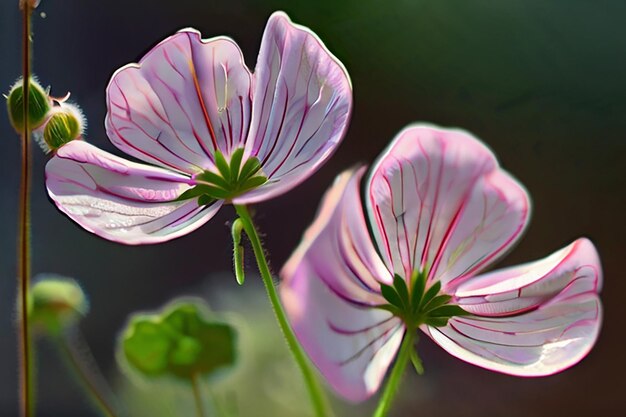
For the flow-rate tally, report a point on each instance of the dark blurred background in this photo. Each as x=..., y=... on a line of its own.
x=542, y=83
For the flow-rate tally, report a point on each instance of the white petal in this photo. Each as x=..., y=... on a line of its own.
x=120, y=200
x=302, y=104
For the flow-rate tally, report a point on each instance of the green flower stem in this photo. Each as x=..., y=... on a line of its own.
x=25, y=345
x=195, y=386
x=396, y=375
x=316, y=392
x=87, y=380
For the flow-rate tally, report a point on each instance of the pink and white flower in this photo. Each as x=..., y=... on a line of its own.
x=214, y=132
x=437, y=205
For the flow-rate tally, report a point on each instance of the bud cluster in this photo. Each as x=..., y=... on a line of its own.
x=53, y=122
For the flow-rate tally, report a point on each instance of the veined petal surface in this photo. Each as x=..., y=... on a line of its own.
x=438, y=201
x=185, y=99
x=301, y=106
x=330, y=285
x=530, y=320
x=120, y=200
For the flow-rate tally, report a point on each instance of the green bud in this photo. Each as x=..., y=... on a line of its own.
x=39, y=104
x=56, y=303
x=64, y=125
x=179, y=342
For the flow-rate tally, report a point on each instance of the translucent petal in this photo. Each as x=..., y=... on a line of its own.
x=302, y=103
x=531, y=320
x=184, y=99
x=438, y=201
x=329, y=287
x=119, y=200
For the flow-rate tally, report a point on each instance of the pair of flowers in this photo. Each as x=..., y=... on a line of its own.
x=398, y=250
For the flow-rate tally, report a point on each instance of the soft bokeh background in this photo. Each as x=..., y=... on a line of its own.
x=542, y=83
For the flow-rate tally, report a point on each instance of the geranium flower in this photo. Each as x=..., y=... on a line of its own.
x=408, y=251
x=216, y=133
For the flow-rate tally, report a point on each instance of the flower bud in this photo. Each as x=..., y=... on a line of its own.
x=56, y=303
x=65, y=124
x=39, y=104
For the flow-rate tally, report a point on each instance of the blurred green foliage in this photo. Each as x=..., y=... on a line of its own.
x=179, y=342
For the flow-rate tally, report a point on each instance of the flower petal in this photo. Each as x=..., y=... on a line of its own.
x=186, y=98
x=438, y=200
x=329, y=287
x=119, y=200
x=302, y=104
x=531, y=320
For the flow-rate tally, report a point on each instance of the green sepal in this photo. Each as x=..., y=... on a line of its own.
x=437, y=321
x=212, y=178
x=205, y=200
x=402, y=290
x=390, y=294
x=250, y=167
x=436, y=302
x=252, y=182
x=450, y=310
x=430, y=294
x=235, y=163
x=390, y=308
x=180, y=342
x=193, y=192
x=222, y=166
x=419, y=284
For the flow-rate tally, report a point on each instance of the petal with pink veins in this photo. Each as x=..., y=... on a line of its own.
x=530, y=320
x=329, y=287
x=438, y=201
x=186, y=98
x=301, y=106
x=120, y=200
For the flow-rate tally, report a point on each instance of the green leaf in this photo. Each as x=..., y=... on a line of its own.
x=390, y=294
x=146, y=347
x=179, y=342
x=222, y=166
x=235, y=163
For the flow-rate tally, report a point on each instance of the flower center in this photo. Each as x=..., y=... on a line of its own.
x=231, y=179
x=418, y=305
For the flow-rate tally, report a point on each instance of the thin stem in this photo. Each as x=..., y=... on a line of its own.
x=396, y=375
x=86, y=379
x=26, y=355
x=318, y=398
x=195, y=386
